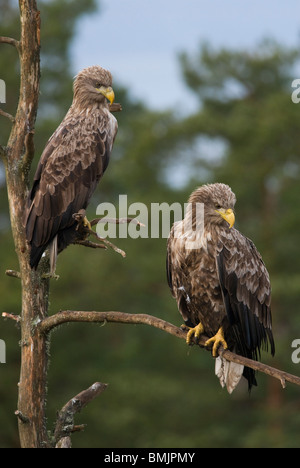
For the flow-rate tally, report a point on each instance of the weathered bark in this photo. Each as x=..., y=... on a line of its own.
x=17, y=159
x=65, y=419
x=66, y=316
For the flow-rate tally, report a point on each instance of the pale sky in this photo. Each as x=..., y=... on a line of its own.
x=143, y=38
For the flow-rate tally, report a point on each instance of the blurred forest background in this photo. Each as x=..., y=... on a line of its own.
x=246, y=134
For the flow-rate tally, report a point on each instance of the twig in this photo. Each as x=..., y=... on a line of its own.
x=16, y=318
x=92, y=245
x=84, y=231
x=7, y=115
x=65, y=420
x=13, y=274
x=115, y=107
x=117, y=221
x=108, y=243
x=10, y=41
x=78, y=427
x=22, y=417
x=121, y=317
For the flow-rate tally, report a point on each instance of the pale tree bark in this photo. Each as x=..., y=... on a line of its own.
x=17, y=157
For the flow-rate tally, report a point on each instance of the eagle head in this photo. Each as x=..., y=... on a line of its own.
x=93, y=85
x=218, y=200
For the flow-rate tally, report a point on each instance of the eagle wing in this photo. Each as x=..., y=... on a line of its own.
x=178, y=278
x=71, y=165
x=246, y=290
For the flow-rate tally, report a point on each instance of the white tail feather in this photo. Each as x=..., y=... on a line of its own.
x=53, y=255
x=229, y=373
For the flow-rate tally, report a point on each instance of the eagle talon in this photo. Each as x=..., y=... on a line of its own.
x=86, y=223
x=82, y=220
x=217, y=341
x=194, y=334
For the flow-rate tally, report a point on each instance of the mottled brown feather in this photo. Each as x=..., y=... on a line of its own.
x=224, y=282
x=71, y=165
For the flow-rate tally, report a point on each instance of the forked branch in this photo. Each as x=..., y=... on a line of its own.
x=65, y=420
x=84, y=231
x=120, y=317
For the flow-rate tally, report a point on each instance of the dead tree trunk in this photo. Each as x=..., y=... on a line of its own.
x=17, y=157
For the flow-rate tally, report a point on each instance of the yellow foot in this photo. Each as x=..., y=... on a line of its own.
x=82, y=220
x=86, y=223
x=217, y=341
x=194, y=333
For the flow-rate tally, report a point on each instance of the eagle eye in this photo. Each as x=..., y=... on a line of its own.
x=218, y=206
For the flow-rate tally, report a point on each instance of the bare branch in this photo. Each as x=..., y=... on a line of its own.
x=65, y=316
x=13, y=274
x=105, y=220
x=121, y=317
x=7, y=115
x=110, y=244
x=65, y=420
x=106, y=242
x=115, y=107
x=16, y=318
x=10, y=41
x=83, y=230
x=92, y=245
x=22, y=417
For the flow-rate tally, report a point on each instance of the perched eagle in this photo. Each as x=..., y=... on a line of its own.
x=72, y=163
x=220, y=282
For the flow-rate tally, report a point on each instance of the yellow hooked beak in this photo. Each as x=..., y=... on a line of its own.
x=107, y=92
x=228, y=215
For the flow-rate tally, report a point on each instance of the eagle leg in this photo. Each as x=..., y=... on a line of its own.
x=84, y=227
x=194, y=333
x=82, y=220
x=86, y=223
x=217, y=341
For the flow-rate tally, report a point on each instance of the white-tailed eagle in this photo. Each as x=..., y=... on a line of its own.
x=220, y=282
x=71, y=165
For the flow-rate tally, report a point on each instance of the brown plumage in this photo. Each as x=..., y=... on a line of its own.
x=219, y=280
x=72, y=163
